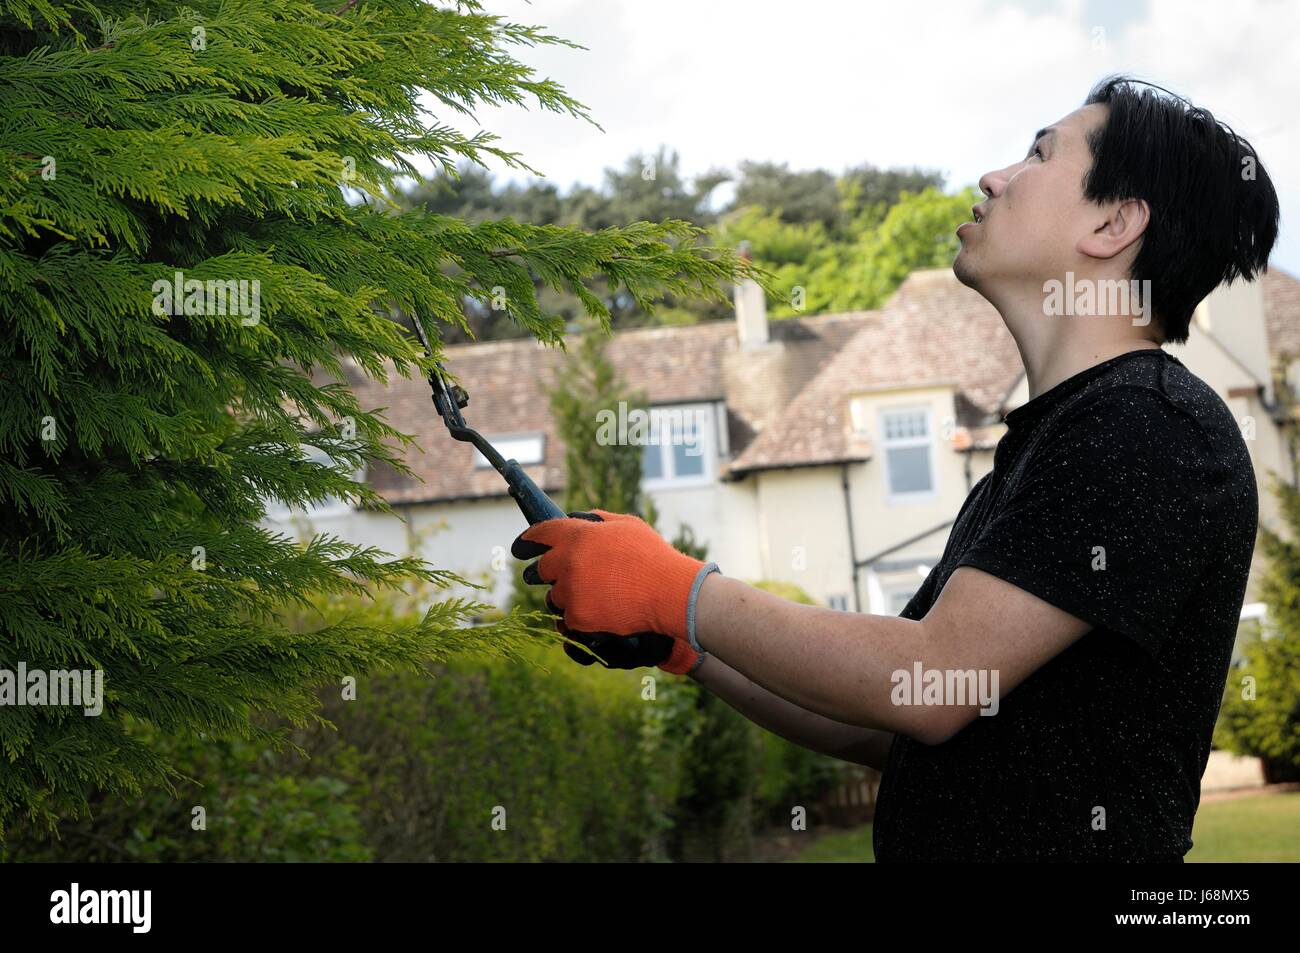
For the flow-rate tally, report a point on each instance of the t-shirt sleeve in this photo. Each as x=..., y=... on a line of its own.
x=1115, y=517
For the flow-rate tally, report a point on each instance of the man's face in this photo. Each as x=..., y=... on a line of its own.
x=1034, y=213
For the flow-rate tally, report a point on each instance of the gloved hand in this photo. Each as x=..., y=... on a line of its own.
x=613, y=573
x=643, y=650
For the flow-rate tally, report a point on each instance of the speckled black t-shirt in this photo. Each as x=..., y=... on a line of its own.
x=1135, y=509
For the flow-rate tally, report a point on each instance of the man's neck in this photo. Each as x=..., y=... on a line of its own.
x=1055, y=348
x=1048, y=368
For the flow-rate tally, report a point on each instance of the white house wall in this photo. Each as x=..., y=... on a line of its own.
x=1266, y=442
x=724, y=516
x=803, y=530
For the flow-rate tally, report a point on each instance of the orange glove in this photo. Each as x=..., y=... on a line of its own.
x=618, y=575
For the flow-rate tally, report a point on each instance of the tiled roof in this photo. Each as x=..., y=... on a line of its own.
x=1281, y=293
x=933, y=331
x=507, y=380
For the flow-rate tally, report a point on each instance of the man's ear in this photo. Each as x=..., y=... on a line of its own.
x=1124, y=223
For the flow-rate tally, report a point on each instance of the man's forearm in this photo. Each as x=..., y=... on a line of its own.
x=805, y=728
x=835, y=664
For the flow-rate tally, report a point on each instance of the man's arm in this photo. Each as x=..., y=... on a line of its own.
x=805, y=728
x=841, y=664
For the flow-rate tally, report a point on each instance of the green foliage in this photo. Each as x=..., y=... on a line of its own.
x=842, y=205
x=807, y=226
x=255, y=143
x=1261, y=717
x=599, y=470
x=252, y=811
x=649, y=187
x=433, y=759
x=858, y=268
x=684, y=542
x=587, y=764
x=919, y=232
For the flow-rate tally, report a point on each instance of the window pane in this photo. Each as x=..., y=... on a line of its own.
x=652, y=467
x=909, y=469
x=687, y=465
x=901, y=425
x=688, y=451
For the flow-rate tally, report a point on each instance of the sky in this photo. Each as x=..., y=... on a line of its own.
x=955, y=86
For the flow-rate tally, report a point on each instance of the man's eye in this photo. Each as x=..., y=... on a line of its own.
x=1039, y=152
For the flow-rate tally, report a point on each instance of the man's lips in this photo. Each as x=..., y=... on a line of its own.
x=979, y=212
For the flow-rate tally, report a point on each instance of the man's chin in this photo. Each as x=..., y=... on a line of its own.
x=965, y=270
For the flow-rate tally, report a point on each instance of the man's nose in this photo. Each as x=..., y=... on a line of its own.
x=992, y=183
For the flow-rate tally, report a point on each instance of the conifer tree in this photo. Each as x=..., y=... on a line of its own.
x=585, y=402
x=196, y=236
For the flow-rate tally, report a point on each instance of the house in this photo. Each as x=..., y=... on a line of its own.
x=832, y=451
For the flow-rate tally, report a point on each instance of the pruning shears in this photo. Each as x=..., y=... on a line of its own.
x=616, y=651
x=449, y=398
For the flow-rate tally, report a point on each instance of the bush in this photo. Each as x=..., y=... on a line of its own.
x=580, y=763
x=251, y=811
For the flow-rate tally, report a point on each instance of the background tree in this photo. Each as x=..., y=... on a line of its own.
x=1260, y=715
x=254, y=143
x=813, y=229
x=852, y=264
x=597, y=473
x=647, y=187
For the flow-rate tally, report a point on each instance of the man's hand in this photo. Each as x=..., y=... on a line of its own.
x=643, y=650
x=613, y=573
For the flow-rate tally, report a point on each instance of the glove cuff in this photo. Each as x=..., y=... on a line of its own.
x=690, y=604
x=678, y=587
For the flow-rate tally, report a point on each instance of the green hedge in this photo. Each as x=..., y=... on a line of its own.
x=584, y=762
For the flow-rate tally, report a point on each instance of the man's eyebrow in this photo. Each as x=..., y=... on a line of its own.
x=1049, y=131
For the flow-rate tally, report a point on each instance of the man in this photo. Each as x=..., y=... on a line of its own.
x=1094, y=578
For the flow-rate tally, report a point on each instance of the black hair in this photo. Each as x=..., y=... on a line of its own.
x=1214, y=212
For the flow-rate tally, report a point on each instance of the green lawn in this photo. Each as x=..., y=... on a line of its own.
x=1265, y=827
x=846, y=847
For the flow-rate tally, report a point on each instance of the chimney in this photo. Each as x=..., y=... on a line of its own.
x=751, y=308
x=1234, y=315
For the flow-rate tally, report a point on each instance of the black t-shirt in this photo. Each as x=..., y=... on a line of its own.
x=1134, y=508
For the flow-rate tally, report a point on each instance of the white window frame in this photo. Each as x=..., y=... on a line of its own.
x=508, y=445
x=914, y=496
x=839, y=602
x=706, y=435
